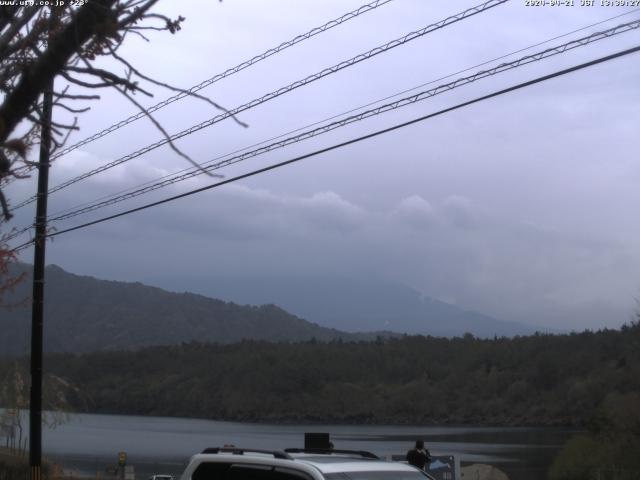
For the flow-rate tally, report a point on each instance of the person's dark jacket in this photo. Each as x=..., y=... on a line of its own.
x=418, y=458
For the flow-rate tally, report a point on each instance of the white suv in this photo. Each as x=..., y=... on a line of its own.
x=295, y=464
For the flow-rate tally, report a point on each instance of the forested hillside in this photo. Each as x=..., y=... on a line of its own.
x=536, y=380
x=85, y=314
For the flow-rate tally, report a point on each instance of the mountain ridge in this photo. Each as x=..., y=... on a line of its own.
x=353, y=304
x=83, y=314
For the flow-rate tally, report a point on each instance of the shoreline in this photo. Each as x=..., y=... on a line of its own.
x=358, y=421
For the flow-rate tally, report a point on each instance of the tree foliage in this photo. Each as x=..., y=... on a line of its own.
x=14, y=400
x=610, y=448
x=416, y=380
x=8, y=281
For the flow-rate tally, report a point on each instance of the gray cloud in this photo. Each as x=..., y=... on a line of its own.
x=456, y=251
x=416, y=212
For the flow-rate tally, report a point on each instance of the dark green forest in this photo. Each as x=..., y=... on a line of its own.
x=535, y=380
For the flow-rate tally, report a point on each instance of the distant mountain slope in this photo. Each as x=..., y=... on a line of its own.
x=84, y=314
x=353, y=305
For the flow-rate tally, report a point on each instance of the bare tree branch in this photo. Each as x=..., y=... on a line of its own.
x=6, y=47
x=176, y=89
x=165, y=134
x=62, y=47
x=39, y=43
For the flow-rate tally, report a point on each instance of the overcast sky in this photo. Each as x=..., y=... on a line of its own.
x=523, y=207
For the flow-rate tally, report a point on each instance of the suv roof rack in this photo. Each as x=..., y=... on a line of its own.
x=325, y=451
x=242, y=451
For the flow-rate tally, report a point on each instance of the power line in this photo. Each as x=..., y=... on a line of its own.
x=188, y=173
x=209, y=166
x=352, y=110
x=349, y=142
x=233, y=70
x=227, y=73
x=430, y=82
x=7, y=181
x=281, y=91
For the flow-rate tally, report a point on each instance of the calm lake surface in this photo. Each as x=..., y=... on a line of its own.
x=90, y=443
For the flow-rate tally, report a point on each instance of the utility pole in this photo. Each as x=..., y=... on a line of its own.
x=37, y=308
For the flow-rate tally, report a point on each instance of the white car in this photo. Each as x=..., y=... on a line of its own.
x=295, y=464
x=161, y=477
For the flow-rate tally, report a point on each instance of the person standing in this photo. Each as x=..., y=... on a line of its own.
x=419, y=456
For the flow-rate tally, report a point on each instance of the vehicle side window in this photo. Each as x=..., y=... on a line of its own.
x=211, y=471
x=226, y=471
x=292, y=474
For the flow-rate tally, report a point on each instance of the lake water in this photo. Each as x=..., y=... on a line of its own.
x=90, y=443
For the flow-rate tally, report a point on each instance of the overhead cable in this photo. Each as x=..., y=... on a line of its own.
x=346, y=143
x=227, y=73
x=281, y=91
x=189, y=172
x=6, y=181
x=352, y=110
x=230, y=71
x=214, y=164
